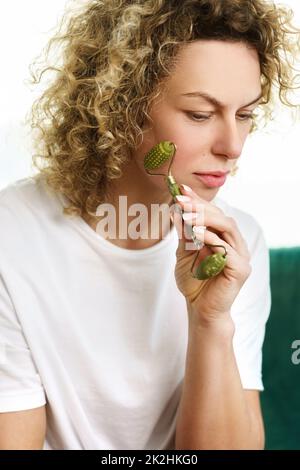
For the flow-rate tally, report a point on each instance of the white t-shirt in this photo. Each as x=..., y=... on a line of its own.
x=99, y=332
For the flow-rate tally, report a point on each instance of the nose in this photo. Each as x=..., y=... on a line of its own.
x=229, y=139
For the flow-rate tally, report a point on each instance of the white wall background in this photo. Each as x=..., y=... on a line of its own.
x=267, y=184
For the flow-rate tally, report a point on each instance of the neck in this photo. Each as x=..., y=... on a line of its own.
x=139, y=211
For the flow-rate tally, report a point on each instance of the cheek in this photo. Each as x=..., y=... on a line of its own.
x=188, y=138
x=190, y=149
x=168, y=124
x=175, y=128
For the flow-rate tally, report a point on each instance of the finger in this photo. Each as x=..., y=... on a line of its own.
x=220, y=224
x=217, y=222
x=203, y=207
x=218, y=245
x=187, y=238
x=226, y=226
x=189, y=204
x=211, y=238
x=177, y=220
x=188, y=192
x=236, y=267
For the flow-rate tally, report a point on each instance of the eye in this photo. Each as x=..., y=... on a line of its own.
x=246, y=116
x=198, y=117
x=205, y=117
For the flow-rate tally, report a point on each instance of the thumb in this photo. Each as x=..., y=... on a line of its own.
x=188, y=240
x=184, y=238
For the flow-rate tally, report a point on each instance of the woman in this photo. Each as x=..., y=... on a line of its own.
x=108, y=340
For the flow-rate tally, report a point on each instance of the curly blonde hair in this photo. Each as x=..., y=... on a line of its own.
x=114, y=56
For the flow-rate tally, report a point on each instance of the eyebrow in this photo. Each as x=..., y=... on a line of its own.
x=214, y=101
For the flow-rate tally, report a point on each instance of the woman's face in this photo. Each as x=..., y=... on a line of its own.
x=205, y=109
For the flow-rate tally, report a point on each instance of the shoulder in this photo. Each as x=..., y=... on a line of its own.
x=27, y=198
x=15, y=202
x=27, y=210
x=26, y=192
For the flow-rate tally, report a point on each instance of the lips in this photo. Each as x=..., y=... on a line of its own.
x=213, y=179
x=213, y=173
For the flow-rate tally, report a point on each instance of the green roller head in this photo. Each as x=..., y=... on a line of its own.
x=159, y=155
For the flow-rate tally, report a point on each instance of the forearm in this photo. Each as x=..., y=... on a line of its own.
x=213, y=411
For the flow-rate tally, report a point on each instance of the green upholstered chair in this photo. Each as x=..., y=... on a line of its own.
x=281, y=397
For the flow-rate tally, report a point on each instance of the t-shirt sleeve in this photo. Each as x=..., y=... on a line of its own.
x=20, y=384
x=250, y=312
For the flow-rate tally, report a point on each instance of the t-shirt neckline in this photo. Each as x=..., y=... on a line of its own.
x=80, y=222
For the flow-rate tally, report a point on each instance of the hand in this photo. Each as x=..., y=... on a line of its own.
x=212, y=297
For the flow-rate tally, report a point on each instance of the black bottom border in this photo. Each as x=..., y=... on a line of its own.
x=135, y=459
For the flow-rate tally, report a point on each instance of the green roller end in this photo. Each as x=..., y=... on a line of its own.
x=210, y=266
x=159, y=155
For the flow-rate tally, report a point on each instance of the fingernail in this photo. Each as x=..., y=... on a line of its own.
x=186, y=188
x=199, y=229
x=199, y=232
x=188, y=215
x=183, y=198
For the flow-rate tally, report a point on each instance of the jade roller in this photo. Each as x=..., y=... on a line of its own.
x=157, y=156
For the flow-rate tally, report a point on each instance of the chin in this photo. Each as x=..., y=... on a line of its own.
x=207, y=194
